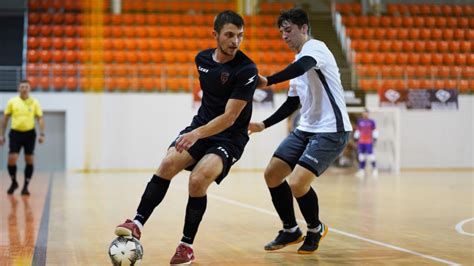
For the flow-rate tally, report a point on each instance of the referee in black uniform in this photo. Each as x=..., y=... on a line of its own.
x=216, y=138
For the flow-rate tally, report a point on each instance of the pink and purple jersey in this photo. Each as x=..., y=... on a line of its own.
x=366, y=128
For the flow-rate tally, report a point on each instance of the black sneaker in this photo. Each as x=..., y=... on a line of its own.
x=311, y=241
x=25, y=192
x=12, y=188
x=284, y=239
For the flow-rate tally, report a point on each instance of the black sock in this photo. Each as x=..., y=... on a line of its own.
x=28, y=174
x=154, y=193
x=309, y=208
x=194, y=212
x=12, y=172
x=283, y=201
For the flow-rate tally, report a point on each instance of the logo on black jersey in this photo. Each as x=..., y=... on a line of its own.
x=224, y=77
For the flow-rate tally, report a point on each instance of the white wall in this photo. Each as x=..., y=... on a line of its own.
x=133, y=131
x=436, y=138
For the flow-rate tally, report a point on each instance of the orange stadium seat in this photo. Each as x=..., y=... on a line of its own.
x=57, y=43
x=437, y=58
x=397, y=33
x=418, y=21
x=465, y=46
x=43, y=82
x=414, y=9
x=436, y=34
x=45, y=56
x=46, y=18
x=453, y=46
x=448, y=59
x=407, y=22
x=70, y=70
x=431, y=46
x=71, y=83
x=385, y=21
x=468, y=10
x=58, y=83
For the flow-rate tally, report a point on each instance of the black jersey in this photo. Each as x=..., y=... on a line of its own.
x=236, y=79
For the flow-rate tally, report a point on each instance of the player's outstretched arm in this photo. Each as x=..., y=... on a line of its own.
x=286, y=109
x=232, y=111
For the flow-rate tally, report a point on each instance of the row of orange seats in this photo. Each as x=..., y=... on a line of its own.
x=411, y=46
x=430, y=9
x=410, y=33
x=418, y=71
x=83, y=56
x=412, y=9
x=416, y=21
x=59, y=83
x=462, y=85
x=138, y=19
x=119, y=44
x=132, y=70
x=415, y=58
x=120, y=56
x=132, y=5
x=123, y=84
x=144, y=44
x=141, y=31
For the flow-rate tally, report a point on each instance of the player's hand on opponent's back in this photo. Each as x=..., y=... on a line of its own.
x=255, y=127
x=185, y=141
x=262, y=81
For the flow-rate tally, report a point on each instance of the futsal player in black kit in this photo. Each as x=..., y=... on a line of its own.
x=216, y=138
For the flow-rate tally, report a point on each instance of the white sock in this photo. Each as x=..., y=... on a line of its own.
x=187, y=244
x=315, y=230
x=291, y=230
x=140, y=225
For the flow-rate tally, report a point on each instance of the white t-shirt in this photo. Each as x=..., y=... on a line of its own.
x=323, y=107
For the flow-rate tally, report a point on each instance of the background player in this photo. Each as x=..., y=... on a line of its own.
x=366, y=136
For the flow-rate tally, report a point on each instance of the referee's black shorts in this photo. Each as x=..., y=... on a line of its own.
x=25, y=139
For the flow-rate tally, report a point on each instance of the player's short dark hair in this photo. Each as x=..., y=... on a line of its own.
x=24, y=81
x=295, y=15
x=227, y=16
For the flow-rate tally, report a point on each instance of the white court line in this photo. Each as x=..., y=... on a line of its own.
x=233, y=202
x=460, y=225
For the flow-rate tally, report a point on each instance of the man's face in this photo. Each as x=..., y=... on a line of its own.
x=292, y=35
x=229, y=39
x=24, y=89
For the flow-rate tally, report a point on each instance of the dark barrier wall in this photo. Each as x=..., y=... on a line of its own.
x=11, y=40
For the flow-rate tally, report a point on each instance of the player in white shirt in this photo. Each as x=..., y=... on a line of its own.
x=323, y=131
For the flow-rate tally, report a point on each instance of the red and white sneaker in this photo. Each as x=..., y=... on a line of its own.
x=183, y=255
x=128, y=229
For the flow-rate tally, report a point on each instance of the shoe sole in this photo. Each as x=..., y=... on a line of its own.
x=186, y=263
x=299, y=240
x=121, y=231
x=326, y=229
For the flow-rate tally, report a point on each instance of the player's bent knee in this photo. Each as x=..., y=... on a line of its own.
x=197, y=187
x=361, y=157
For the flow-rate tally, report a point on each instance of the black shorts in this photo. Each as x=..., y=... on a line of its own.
x=24, y=139
x=229, y=149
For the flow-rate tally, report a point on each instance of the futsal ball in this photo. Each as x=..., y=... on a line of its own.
x=125, y=251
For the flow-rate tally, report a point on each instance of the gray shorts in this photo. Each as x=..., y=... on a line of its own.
x=313, y=151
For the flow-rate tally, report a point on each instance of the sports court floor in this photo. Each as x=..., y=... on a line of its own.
x=415, y=218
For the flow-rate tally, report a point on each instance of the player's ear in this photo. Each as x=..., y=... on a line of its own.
x=215, y=34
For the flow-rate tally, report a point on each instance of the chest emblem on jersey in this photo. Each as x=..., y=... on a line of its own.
x=224, y=77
